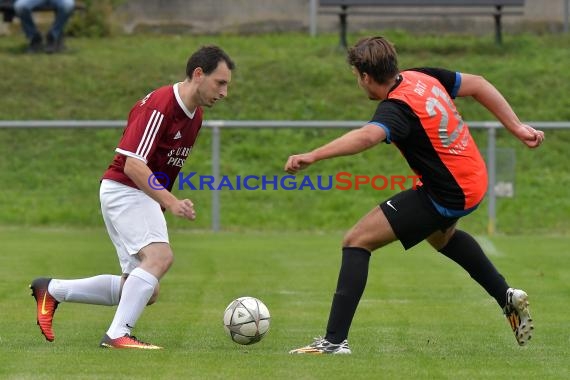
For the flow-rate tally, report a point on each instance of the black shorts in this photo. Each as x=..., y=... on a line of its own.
x=413, y=217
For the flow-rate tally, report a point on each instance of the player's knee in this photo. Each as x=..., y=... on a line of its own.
x=158, y=259
x=367, y=241
x=346, y=240
x=351, y=239
x=162, y=266
x=168, y=260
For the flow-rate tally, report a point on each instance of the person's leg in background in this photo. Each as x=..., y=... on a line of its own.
x=55, y=36
x=23, y=9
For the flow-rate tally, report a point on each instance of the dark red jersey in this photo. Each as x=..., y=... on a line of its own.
x=160, y=131
x=420, y=118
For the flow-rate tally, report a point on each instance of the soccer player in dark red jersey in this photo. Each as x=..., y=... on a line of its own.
x=161, y=131
x=417, y=114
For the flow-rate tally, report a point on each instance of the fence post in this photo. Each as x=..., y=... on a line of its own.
x=313, y=17
x=566, y=15
x=216, y=173
x=491, y=145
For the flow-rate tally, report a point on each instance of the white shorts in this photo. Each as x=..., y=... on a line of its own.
x=133, y=220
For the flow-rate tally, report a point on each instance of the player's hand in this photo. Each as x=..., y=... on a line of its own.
x=183, y=208
x=299, y=162
x=530, y=136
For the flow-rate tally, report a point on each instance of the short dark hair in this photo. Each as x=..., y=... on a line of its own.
x=207, y=57
x=375, y=56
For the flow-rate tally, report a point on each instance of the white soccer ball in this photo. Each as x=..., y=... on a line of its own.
x=246, y=320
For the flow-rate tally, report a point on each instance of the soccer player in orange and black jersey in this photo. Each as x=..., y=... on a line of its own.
x=417, y=114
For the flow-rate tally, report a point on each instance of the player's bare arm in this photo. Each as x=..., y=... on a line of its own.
x=350, y=143
x=139, y=173
x=486, y=94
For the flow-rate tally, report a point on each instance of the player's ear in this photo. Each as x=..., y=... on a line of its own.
x=198, y=74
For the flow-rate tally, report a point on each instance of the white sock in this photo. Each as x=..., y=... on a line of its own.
x=137, y=290
x=99, y=290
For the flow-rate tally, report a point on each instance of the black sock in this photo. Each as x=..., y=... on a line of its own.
x=465, y=251
x=350, y=286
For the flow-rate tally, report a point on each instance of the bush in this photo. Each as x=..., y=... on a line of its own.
x=95, y=21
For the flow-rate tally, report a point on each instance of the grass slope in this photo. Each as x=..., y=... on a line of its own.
x=420, y=317
x=50, y=177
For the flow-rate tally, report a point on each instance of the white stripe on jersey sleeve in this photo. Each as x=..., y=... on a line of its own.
x=149, y=134
x=131, y=154
x=146, y=131
x=153, y=134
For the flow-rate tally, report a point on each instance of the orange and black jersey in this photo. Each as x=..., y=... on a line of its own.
x=420, y=118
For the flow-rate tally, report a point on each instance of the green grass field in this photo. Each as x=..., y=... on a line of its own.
x=420, y=318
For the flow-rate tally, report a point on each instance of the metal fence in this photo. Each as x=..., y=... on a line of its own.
x=218, y=125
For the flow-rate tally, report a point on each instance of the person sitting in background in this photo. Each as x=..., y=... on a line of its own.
x=54, y=37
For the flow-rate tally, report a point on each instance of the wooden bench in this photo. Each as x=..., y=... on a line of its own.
x=8, y=13
x=422, y=8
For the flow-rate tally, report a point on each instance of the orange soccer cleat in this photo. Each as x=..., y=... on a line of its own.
x=126, y=341
x=46, y=306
